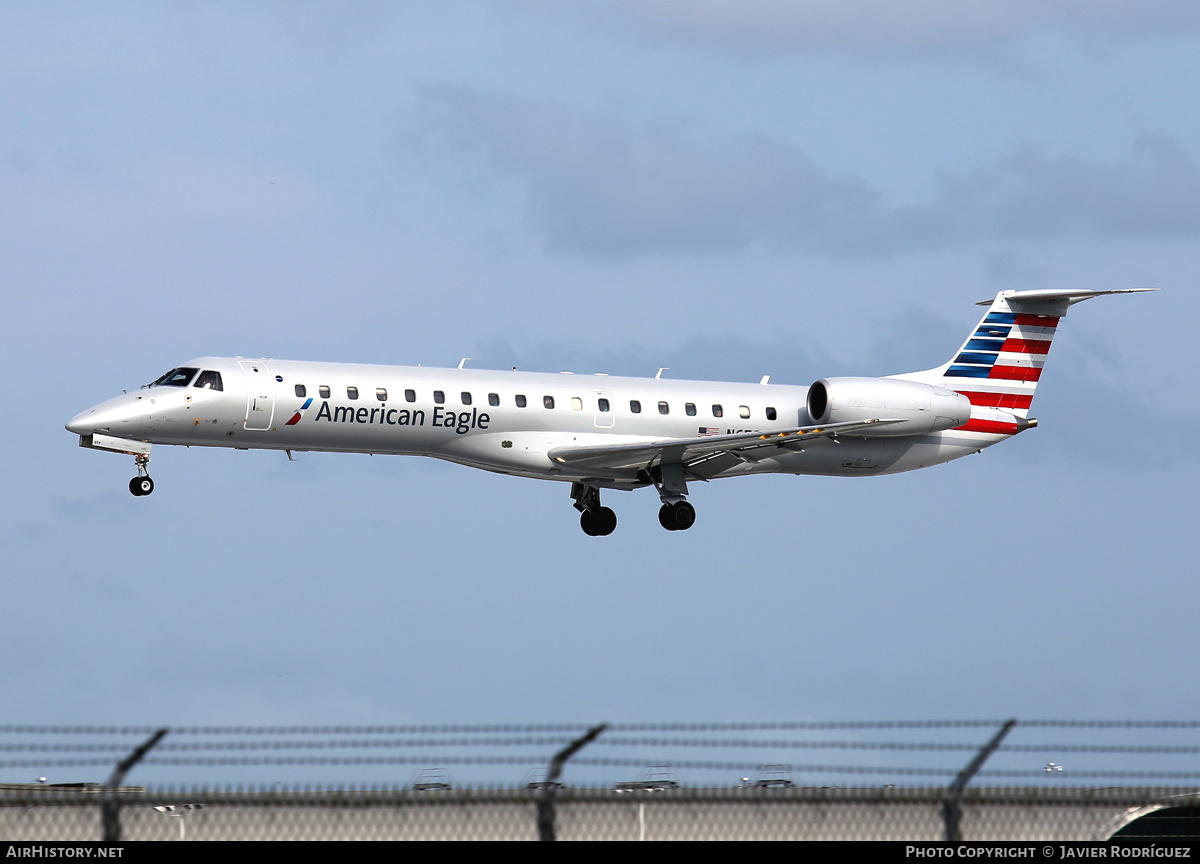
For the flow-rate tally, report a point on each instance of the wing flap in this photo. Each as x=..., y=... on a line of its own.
x=690, y=450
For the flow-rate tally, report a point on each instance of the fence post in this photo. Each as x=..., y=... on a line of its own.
x=952, y=803
x=545, y=808
x=110, y=810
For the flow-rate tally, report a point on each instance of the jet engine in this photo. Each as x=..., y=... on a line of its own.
x=923, y=407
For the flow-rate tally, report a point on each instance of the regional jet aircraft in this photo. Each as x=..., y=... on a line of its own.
x=598, y=432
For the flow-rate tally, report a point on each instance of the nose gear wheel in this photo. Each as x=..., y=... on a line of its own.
x=141, y=484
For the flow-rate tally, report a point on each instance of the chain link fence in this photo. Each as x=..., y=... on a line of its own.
x=886, y=780
x=907, y=814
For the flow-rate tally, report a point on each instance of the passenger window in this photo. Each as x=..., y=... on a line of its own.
x=439, y=397
x=520, y=400
x=603, y=405
x=744, y=412
x=210, y=379
x=635, y=407
x=718, y=411
x=690, y=409
x=494, y=399
x=770, y=413
x=466, y=398
x=323, y=390
x=664, y=408
x=576, y=403
x=351, y=392
x=300, y=391
x=381, y=394
x=548, y=401
x=410, y=395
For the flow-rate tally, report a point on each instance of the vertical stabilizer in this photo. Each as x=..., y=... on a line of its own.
x=1000, y=364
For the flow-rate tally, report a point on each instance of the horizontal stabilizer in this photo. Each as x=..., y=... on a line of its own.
x=1059, y=295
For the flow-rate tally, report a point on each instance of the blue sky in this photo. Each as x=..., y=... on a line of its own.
x=729, y=190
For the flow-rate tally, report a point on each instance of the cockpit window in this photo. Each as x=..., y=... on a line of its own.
x=210, y=379
x=180, y=377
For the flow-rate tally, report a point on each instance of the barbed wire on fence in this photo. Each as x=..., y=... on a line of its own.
x=608, y=742
x=530, y=728
x=451, y=744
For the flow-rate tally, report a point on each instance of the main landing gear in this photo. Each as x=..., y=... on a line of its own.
x=595, y=520
x=141, y=484
x=677, y=516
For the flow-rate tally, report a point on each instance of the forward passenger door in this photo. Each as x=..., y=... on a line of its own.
x=260, y=395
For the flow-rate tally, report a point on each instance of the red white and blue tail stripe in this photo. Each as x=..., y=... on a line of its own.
x=999, y=365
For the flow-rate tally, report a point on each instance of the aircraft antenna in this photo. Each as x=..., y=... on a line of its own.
x=660, y=371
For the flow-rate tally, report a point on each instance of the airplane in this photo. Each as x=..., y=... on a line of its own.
x=599, y=432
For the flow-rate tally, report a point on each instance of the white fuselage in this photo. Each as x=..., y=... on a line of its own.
x=599, y=432
x=499, y=421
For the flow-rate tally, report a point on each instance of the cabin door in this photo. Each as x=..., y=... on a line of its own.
x=260, y=395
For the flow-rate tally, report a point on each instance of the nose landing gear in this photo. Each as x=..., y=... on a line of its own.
x=141, y=484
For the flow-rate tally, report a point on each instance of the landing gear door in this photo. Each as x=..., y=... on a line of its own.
x=260, y=395
x=604, y=409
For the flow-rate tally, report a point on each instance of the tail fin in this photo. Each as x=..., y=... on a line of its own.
x=999, y=365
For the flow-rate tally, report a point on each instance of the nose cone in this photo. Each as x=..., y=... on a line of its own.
x=114, y=417
x=81, y=424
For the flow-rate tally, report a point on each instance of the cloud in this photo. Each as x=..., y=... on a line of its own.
x=1154, y=192
x=596, y=184
x=920, y=29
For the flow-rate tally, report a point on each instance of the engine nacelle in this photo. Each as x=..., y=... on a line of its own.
x=923, y=407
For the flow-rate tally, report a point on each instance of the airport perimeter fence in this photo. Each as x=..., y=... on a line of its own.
x=895, y=814
x=1023, y=792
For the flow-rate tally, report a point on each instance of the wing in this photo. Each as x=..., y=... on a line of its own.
x=693, y=451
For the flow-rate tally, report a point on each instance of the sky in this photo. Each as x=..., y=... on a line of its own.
x=728, y=190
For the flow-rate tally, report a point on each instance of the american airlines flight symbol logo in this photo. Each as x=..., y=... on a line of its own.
x=296, y=417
